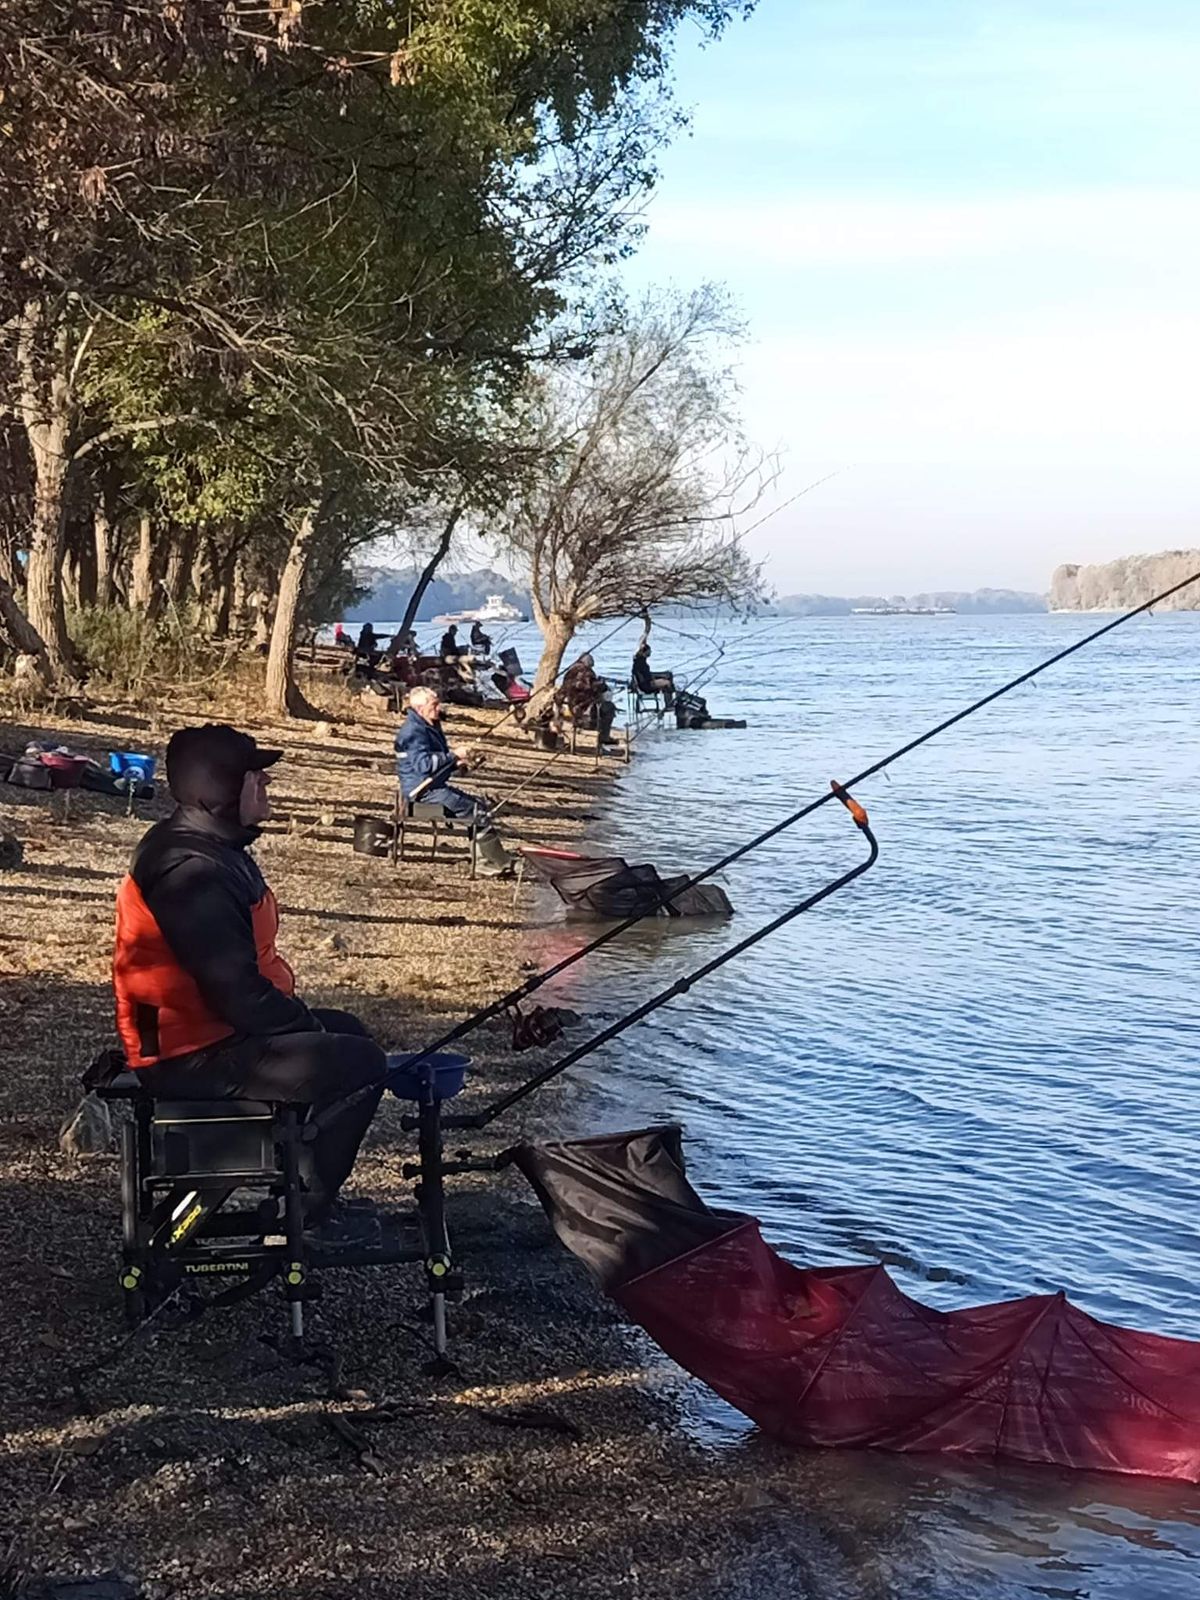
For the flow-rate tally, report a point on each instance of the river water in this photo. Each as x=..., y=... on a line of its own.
x=980, y=1064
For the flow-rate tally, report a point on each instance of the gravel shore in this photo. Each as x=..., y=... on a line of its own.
x=198, y=1459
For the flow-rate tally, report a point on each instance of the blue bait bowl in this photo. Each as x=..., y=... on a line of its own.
x=127, y=763
x=445, y=1073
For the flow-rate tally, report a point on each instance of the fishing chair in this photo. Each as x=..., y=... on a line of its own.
x=211, y=1190
x=640, y=699
x=424, y=813
x=575, y=727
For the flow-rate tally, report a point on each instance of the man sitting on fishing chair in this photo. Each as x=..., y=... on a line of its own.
x=425, y=762
x=206, y=1005
x=650, y=683
x=586, y=699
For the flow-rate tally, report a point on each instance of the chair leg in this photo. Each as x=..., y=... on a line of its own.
x=433, y=847
x=397, y=824
x=133, y=1282
x=473, y=841
x=439, y=1264
x=294, y=1273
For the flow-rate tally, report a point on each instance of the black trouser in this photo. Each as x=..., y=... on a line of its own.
x=663, y=683
x=313, y=1069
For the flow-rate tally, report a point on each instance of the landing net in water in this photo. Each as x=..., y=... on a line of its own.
x=840, y=1355
x=608, y=887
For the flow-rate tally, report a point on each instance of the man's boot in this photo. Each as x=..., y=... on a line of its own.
x=491, y=858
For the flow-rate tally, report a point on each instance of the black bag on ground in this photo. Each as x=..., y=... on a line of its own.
x=29, y=772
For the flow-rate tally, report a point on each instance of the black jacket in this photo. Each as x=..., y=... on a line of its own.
x=200, y=886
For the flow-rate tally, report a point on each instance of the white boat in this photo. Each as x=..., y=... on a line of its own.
x=494, y=609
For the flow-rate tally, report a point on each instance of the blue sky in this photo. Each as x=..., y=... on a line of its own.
x=965, y=237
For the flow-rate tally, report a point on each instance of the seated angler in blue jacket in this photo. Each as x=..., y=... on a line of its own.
x=425, y=763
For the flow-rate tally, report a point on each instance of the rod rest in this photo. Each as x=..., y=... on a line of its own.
x=464, y=1163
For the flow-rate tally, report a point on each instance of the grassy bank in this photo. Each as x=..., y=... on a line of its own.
x=200, y=1460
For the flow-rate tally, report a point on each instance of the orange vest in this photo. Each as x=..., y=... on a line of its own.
x=160, y=1011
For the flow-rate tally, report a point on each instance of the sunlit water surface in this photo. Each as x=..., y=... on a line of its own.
x=979, y=1065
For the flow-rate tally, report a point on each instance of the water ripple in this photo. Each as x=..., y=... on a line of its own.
x=980, y=1064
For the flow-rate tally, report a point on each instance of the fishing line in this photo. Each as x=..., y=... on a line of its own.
x=537, y=980
x=518, y=705
x=790, y=501
x=480, y=1119
x=532, y=984
x=512, y=793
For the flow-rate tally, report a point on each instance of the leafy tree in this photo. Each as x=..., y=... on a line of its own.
x=335, y=228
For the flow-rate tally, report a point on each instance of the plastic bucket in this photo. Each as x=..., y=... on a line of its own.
x=128, y=763
x=372, y=836
x=445, y=1073
x=65, y=771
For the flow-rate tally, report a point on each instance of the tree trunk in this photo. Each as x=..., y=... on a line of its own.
x=283, y=698
x=102, y=532
x=179, y=565
x=239, y=591
x=44, y=405
x=142, y=585
x=21, y=634
x=11, y=571
x=431, y=566
x=43, y=573
x=86, y=579
x=557, y=633
x=262, y=612
x=203, y=576
x=221, y=599
x=71, y=579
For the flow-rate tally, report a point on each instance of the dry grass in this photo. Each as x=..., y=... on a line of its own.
x=202, y=1463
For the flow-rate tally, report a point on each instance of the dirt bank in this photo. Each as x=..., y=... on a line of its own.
x=203, y=1462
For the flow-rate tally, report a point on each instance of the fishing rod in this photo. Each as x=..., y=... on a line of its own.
x=664, y=898
x=729, y=653
x=519, y=705
x=533, y=983
x=481, y=1119
x=790, y=501
x=735, y=650
x=525, y=782
x=435, y=779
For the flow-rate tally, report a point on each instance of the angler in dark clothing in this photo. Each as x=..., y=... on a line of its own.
x=647, y=682
x=479, y=640
x=586, y=698
x=206, y=1006
x=425, y=763
x=450, y=645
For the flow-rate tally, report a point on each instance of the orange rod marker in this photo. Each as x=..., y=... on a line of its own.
x=851, y=804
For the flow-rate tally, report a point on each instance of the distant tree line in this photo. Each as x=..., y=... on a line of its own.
x=974, y=602
x=279, y=279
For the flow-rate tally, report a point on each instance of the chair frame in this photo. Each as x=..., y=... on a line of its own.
x=180, y=1225
x=638, y=701
x=406, y=812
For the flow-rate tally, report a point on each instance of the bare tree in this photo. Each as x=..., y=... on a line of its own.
x=441, y=549
x=640, y=474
